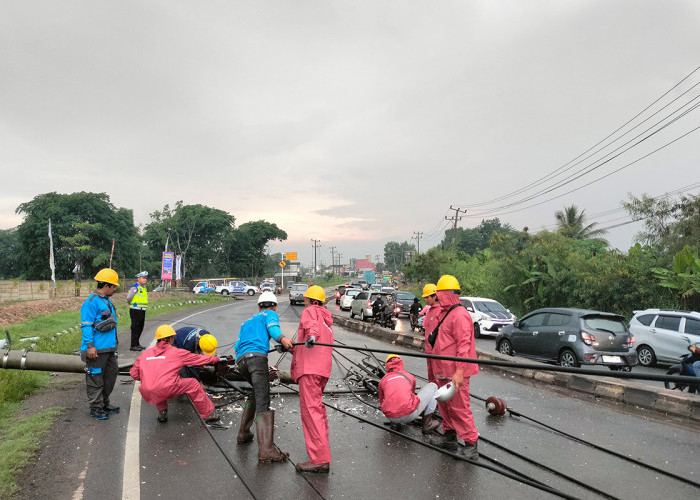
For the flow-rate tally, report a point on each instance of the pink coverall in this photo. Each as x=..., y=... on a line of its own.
x=396, y=396
x=455, y=338
x=157, y=368
x=311, y=368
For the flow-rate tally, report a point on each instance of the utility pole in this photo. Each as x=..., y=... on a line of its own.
x=333, y=259
x=455, y=218
x=340, y=255
x=417, y=238
x=317, y=244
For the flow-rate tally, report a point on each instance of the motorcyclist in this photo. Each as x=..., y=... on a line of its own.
x=414, y=311
x=692, y=362
x=377, y=307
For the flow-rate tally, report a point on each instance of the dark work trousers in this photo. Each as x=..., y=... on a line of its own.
x=254, y=369
x=138, y=319
x=100, y=378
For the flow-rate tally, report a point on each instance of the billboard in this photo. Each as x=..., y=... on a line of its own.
x=166, y=272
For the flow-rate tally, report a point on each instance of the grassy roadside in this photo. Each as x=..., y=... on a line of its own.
x=57, y=333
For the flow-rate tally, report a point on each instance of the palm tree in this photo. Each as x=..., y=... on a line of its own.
x=572, y=224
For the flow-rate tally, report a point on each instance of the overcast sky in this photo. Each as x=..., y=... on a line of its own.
x=350, y=122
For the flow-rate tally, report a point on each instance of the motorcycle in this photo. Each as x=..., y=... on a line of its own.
x=387, y=317
x=682, y=369
x=417, y=323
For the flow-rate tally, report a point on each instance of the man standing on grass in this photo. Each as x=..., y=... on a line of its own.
x=98, y=321
x=138, y=303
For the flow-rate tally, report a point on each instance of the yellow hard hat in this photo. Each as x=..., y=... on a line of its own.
x=447, y=282
x=164, y=331
x=208, y=343
x=429, y=289
x=107, y=275
x=315, y=292
x=391, y=356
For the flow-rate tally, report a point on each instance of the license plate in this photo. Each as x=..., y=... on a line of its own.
x=612, y=359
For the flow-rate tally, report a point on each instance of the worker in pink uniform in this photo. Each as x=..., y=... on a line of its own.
x=157, y=368
x=449, y=331
x=311, y=369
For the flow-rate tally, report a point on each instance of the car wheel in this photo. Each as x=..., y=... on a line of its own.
x=224, y=292
x=568, y=358
x=251, y=292
x=646, y=356
x=505, y=348
x=352, y=314
x=477, y=331
x=362, y=315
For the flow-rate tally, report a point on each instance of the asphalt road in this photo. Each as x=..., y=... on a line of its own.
x=132, y=456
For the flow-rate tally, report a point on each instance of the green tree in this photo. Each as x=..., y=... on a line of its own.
x=247, y=247
x=66, y=211
x=669, y=224
x=473, y=240
x=196, y=232
x=10, y=255
x=683, y=277
x=572, y=224
x=395, y=254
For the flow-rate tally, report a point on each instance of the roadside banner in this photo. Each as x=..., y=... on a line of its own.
x=52, y=264
x=167, y=266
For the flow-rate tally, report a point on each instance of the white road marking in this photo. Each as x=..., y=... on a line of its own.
x=131, y=478
x=78, y=494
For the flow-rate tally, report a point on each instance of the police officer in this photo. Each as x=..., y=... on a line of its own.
x=138, y=303
x=98, y=322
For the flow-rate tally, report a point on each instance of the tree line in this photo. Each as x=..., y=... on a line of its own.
x=84, y=225
x=573, y=265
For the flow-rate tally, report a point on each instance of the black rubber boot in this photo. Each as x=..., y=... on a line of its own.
x=265, y=429
x=247, y=419
x=163, y=416
x=470, y=451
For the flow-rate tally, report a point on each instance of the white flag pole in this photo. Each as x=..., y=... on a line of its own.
x=52, y=264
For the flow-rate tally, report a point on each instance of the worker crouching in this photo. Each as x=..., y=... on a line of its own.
x=311, y=369
x=157, y=368
x=398, y=399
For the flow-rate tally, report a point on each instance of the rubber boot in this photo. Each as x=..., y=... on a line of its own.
x=247, y=419
x=429, y=423
x=447, y=442
x=470, y=451
x=265, y=429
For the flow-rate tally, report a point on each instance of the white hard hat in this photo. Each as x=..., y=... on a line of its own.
x=446, y=392
x=267, y=297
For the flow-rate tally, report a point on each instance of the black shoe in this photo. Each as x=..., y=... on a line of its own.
x=98, y=414
x=137, y=348
x=213, y=417
x=163, y=416
x=111, y=409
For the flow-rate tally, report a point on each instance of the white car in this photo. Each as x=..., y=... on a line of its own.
x=347, y=298
x=488, y=315
x=664, y=335
x=236, y=287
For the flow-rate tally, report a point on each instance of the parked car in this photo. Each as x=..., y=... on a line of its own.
x=236, y=287
x=296, y=293
x=404, y=300
x=664, y=335
x=348, y=297
x=488, y=315
x=570, y=337
x=362, y=303
x=203, y=287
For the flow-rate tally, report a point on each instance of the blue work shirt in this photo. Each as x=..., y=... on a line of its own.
x=187, y=338
x=256, y=332
x=91, y=312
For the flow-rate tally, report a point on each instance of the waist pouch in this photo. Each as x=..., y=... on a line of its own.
x=107, y=323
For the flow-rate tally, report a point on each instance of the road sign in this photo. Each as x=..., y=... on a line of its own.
x=282, y=263
x=290, y=256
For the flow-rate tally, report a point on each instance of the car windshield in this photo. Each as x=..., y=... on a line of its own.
x=352, y=293
x=614, y=325
x=405, y=296
x=489, y=306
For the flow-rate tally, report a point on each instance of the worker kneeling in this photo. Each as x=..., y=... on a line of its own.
x=398, y=400
x=157, y=368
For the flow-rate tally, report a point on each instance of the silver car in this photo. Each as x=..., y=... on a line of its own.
x=296, y=293
x=664, y=335
x=362, y=303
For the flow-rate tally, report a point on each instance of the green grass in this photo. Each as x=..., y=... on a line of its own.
x=19, y=438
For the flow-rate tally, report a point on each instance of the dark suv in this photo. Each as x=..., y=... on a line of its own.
x=405, y=301
x=570, y=337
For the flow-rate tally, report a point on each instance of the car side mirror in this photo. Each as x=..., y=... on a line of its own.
x=516, y=324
